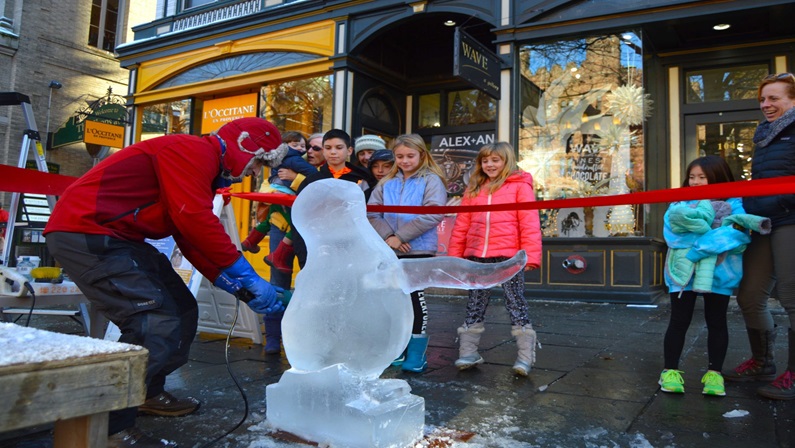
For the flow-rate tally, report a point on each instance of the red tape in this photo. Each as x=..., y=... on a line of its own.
x=20, y=180
x=761, y=187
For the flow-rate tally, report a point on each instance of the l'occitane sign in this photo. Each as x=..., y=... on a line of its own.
x=104, y=134
x=223, y=110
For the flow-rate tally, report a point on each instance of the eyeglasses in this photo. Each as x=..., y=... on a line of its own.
x=315, y=148
x=779, y=76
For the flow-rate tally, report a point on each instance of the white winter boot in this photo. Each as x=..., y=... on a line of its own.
x=469, y=337
x=526, y=342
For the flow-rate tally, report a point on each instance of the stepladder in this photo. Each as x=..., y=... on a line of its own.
x=31, y=144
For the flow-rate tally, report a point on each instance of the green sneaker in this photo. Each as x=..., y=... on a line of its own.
x=671, y=381
x=713, y=384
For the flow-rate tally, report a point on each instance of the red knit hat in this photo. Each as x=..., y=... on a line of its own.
x=249, y=140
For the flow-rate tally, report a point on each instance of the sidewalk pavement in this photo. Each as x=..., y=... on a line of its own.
x=594, y=385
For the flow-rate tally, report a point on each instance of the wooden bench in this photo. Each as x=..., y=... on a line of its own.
x=71, y=381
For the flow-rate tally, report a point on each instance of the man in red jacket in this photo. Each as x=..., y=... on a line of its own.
x=154, y=189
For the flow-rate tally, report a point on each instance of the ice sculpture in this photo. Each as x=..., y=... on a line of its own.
x=349, y=317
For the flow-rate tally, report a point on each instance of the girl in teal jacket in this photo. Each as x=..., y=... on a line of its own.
x=705, y=244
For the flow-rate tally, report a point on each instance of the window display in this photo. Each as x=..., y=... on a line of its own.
x=303, y=105
x=171, y=117
x=581, y=133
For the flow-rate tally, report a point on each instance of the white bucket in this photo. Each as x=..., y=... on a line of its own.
x=27, y=263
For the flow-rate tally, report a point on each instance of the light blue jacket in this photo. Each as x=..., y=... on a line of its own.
x=697, y=243
x=419, y=230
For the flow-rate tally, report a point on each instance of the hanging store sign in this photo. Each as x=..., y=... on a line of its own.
x=223, y=110
x=476, y=64
x=103, y=134
x=108, y=118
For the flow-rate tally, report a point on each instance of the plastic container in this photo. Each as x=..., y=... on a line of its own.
x=27, y=263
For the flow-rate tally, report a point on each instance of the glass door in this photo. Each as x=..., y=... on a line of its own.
x=726, y=134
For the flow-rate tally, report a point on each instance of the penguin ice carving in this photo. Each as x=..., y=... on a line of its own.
x=351, y=304
x=349, y=317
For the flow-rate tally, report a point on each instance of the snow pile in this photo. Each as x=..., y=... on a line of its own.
x=736, y=413
x=23, y=345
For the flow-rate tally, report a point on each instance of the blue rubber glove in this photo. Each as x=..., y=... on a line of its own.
x=264, y=300
x=228, y=284
x=267, y=304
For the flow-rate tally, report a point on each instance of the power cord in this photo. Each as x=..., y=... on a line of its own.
x=29, y=287
x=238, y=295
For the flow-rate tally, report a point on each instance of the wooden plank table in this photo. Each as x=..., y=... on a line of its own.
x=72, y=381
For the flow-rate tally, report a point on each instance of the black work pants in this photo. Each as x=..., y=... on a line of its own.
x=136, y=288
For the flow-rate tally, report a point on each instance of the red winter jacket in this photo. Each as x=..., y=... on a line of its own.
x=499, y=234
x=153, y=189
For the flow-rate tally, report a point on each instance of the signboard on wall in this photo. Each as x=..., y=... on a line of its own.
x=223, y=110
x=107, y=127
x=476, y=64
x=103, y=134
x=455, y=154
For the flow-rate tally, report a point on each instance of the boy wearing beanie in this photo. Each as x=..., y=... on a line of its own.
x=381, y=163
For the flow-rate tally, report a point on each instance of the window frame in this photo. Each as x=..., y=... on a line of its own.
x=102, y=27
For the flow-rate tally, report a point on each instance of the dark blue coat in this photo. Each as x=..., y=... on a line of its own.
x=774, y=160
x=295, y=161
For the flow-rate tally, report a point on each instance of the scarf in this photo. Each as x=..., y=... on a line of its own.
x=768, y=130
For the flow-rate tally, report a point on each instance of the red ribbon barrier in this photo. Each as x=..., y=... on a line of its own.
x=20, y=180
x=761, y=187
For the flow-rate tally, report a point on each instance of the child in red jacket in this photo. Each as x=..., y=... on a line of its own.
x=490, y=237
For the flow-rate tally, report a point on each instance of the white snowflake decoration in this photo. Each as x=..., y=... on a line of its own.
x=630, y=105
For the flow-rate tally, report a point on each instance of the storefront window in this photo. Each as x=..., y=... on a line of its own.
x=470, y=107
x=724, y=84
x=429, y=116
x=732, y=140
x=166, y=118
x=581, y=130
x=303, y=105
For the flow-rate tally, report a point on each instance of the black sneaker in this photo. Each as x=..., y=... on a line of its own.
x=135, y=438
x=167, y=405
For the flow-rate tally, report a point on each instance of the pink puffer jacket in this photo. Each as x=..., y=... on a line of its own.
x=499, y=234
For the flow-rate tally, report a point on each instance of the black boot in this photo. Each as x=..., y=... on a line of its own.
x=783, y=387
x=762, y=365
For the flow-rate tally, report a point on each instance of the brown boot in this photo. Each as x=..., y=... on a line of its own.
x=251, y=243
x=167, y=405
x=762, y=365
x=281, y=258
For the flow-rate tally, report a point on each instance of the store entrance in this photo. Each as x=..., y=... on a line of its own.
x=726, y=134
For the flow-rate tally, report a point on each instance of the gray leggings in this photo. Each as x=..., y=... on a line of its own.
x=768, y=263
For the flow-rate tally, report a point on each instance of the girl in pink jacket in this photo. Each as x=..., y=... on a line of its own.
x=490, y=237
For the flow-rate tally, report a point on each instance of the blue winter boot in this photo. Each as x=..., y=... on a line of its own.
x=399, y=360
x=273, y=333
x=415, y=354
